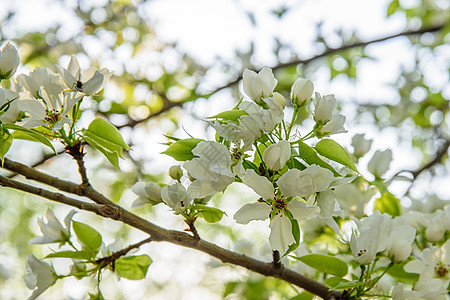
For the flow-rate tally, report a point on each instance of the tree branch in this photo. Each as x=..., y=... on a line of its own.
x=169, y=105
x=115, y=212
x=57, y=197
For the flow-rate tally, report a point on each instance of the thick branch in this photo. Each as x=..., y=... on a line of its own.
x=57, y=197
x=157, y=233
x=63, y=185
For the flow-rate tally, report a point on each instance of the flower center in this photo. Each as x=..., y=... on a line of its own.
x=52, y=116
x=361, y=252
x=441, y=270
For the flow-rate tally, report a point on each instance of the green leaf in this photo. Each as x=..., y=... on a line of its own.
x=309, y=155
x=112, y=156
x=295, y=234
x=33, y=135
x=231, y=115
x=332, y=150
x=293, y=163
x=87, y=235
x=393, y=7
x=303, y=296
x=87, y=255
x=210, y=214
x=388, y=203
x=338, y=283
x=324, y=263
x=133, y=267
x=182, y=150
x=249, y=165
x=102, y=129
x=5, y=142
x=399, y=273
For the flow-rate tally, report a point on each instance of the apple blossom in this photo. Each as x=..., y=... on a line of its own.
x=36, y=79
x=379, y=163
x=324, y=107
x=259, y=85
x=89, y=81
x=9, y=61
x=176, y=197
x=9, y=111
x=148, y=193
x=399, y=241
x=211, y=169
x=40, y=276
x=360, y=145
x=333, y=126
x=372, y=238
x=53, y=231
x=276, y=155
x=52, y=109
x=274, y=207
x=301, y=91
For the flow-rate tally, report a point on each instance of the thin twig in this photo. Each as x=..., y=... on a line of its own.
x=76, y=151
x=111, y=259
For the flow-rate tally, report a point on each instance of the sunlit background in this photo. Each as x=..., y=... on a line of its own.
x=167, y=52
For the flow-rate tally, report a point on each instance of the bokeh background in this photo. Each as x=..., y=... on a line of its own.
x=177, y=62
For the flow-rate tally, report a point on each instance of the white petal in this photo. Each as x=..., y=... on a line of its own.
x=252, y=211
x=289, y=183
x=93, y=85
x=415, y=266
x=280, y=237
x=301, y=211
x=261, y=185
x=276, y=155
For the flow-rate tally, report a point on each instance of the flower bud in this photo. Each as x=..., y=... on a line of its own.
x=379, y=163
x=324, y=107
x=279, y=99
x=360, y=145
x=147, y=192
x=175, y=172
x=301, y=91
x=276, y=155
x=9, y=61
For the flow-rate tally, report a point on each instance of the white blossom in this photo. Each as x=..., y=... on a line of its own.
x=36, y=79
x=379, y=163
x=259, y=85
x=40, y=276
x=276, y=155
x=176, y=197
x=333, y=126
x=148, y=193
x=324, y=106
x=304, y=183
x=53, y=231
x=89, y=81
x=9, y=111
x=52, y=109
x=372, y=238
x=399, y=241
x=211, y=169
x=9, y=61
x=301, y=91
x=360, y=145
x=274, y=207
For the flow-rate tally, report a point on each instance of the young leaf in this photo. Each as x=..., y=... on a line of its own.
x=210, y=214
x=338, y=283
x=106, y=131
x=332, y=150
x=324, y=263
x=112, y=156
x=388, y=203
x=30, y=134
x=5, y=142
x=182, y=150
x=133, y=267
x=295, y=233
x=87, y=235
x=87, y=255
x=399, y=273
x=310, y=156
x=231, y=115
